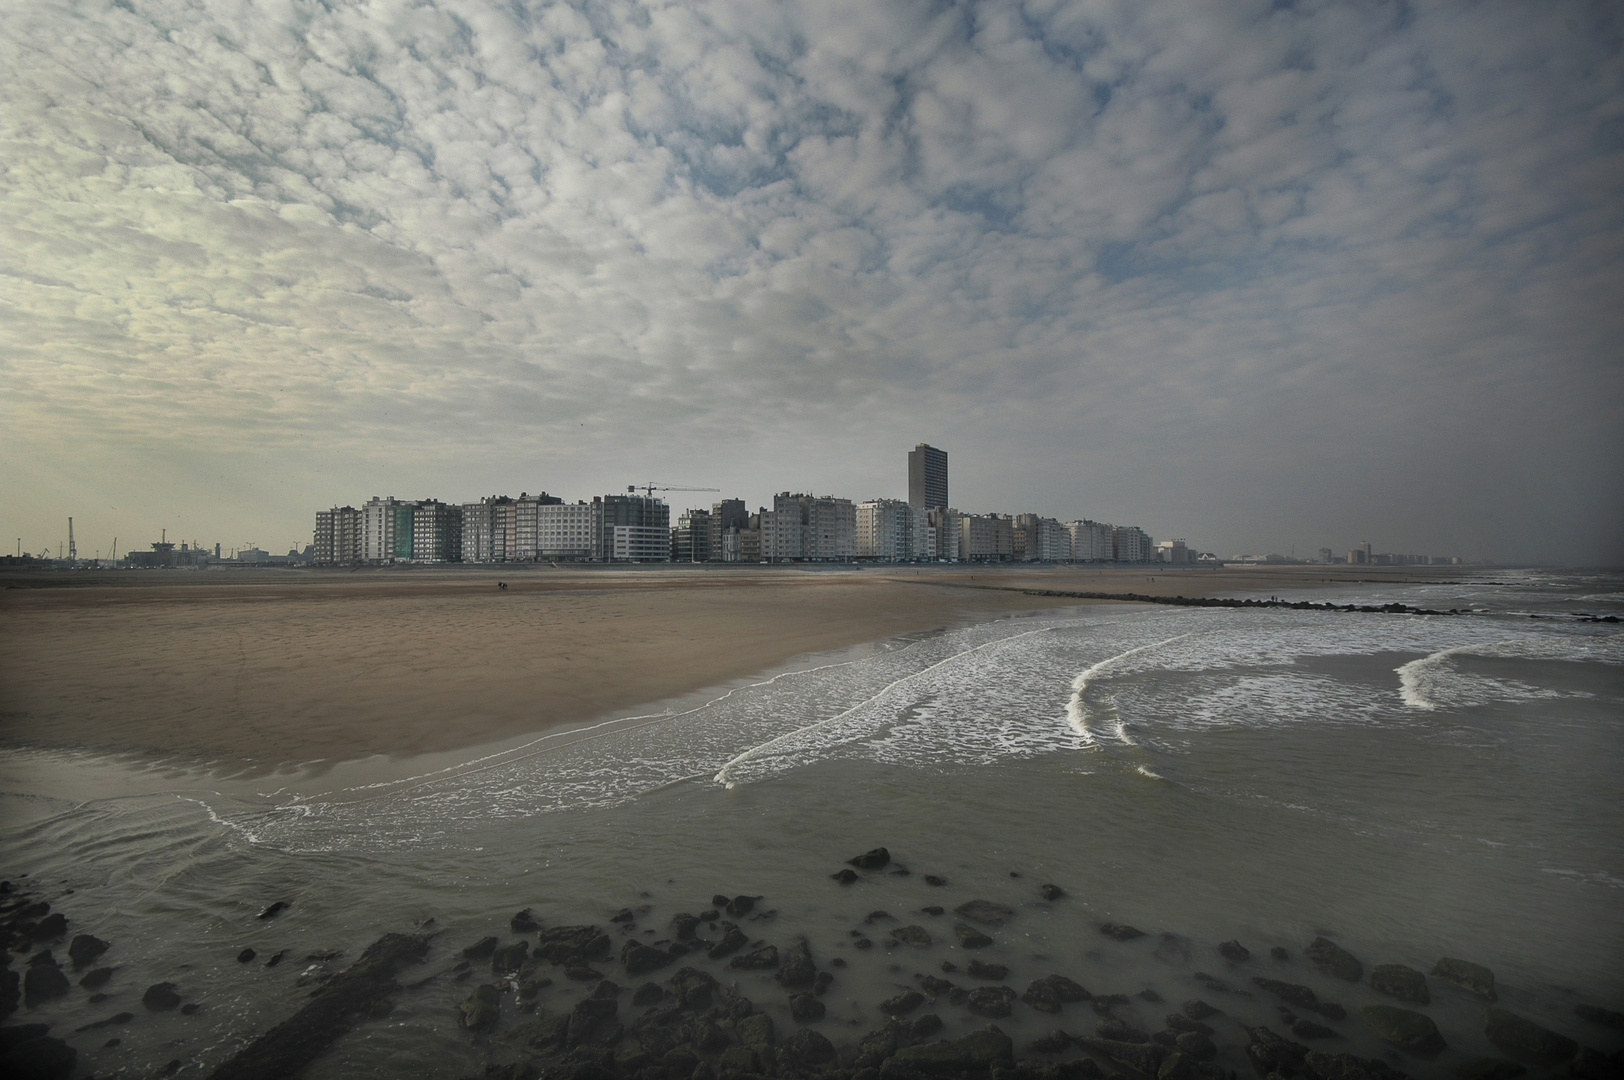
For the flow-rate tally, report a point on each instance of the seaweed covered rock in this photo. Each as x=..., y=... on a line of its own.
x=992, y=1002
x=1334, y=960
x=917, y=936
x=1322, y=1066
x=731, y=942
x=1516, y=1035
x=1404, y=1028
x=481, y=1010
x=510, y=958
x=639, y=959
x=806, y=1049
x=1234, y=951
x=797, y=968
x=1398, y=981
x=1272, y=1053
x=969, y=937
x=805, y=1009
x=875, y=859
x=762, y=959
x=1467, y=976
x=161, y=997
x=1143, y=1058
x=572, y=945
x=984, y=912
x=755, y=1032
x=902, y=1004
x=1120, y=931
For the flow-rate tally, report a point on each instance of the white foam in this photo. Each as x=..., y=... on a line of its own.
x=1434, y=681
x=1077, y=710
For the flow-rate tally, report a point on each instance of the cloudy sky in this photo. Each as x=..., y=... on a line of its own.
x=1262, y=275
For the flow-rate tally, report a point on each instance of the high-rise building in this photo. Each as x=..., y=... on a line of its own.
x=566, y=530
x=338, y=537
x=816, y=527
x=1040, y=539
x=526, y=524
x=927, y=477
x=691, y=539
x=885, y=529
x=379, y=521
x=635, y=528
x=436, y=532
x=1132, y=544
x=727, y=518
x=490, y=530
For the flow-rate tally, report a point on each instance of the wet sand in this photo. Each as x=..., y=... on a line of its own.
x=246, y=669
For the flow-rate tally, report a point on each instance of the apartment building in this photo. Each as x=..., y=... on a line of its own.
x=436, y=532
x=338, y=536
x=634, y=528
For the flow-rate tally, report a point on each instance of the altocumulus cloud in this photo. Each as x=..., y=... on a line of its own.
x=1264, y=273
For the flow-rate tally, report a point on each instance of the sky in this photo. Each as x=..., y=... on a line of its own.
x=1263, y=276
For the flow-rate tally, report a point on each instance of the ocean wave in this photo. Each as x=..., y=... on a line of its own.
x=1434, y=681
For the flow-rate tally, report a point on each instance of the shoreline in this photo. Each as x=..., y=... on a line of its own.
x=253, y=673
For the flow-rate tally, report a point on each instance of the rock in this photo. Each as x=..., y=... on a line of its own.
x=481, y=1010
x=44, y=982
x=1293, y=993
x=1592, y=1064
x=51, y=927
x=846, y=876
x=1120, y=931
x=1147, y=994
x=1487, y=1068
x=1234, y=951
x=275, y=909
x=640, y=959
x=928, y=1059
x=1196, y=1009
x=11, y=992
x=755, y=1032
x=1334, y=960
x=625, y=916
x=161, y=997
x=991, y=1001
x=985, y=912
x=986, y=1048
x=933, y=910
x=1143, y=1058
x=190, y=1008
x=992, y=972
x=1055, y=1042
x=1198, y=1046
x=925, y=1026
x=1307, y=1029
x=246, y=956
x=40, y=1057
x=871, y=860
x=1515, y=1035
x=277, y=959
x=1322, y=1066
x=760, y=960
x=1042, y=997
x=878, y=916
x=1398, y=981
x=582, y=973
x=1467, y=976
x=734, y=1059
x=969, y=937
x=1404, y=1028
x=683, y=925
x=479, y=950
x=1217, y=985
x=510, y=958
x=1597, y=1015
x=566, y=945
x=935, y=987
x=524, y=922
x=1279, y=953
x=331, y=1011
x=85, y=949
x=741, y=905
x=1176, y=1066
x=933, y=880
x=606, y=989
x=96, y=978
x=593, y=1023
x=1052, y=892
x=731, y=942
x=806, y=1048
x=1271, y=1053
x=648, y=994
x=862, y=943
x=821, y=983
x=1329, y=1009
x=1120, y=1031
x=1181, y=1023
x=805, y=1008
x=902, y=1004
x=917, y=936
x=798, y=968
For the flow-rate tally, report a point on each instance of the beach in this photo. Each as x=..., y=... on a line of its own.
x=246, y=669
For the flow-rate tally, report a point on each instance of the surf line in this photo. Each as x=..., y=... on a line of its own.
x=721, y=776
x=1077, y=712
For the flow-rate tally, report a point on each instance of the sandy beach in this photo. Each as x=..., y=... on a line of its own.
x=257, y=669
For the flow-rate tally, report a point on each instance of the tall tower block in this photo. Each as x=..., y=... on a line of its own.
x=927, y=477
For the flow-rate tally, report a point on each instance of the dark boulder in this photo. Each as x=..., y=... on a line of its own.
x=641, y=959
x=1467, y=976
x=917, y=936
x=572, y=944
x=925, y=1026
x=481, y=1010
x=755, y=1032
x=1120, y=1031
x=1198, y=1046
x=1196, y=1009
x=976, y=969
x=331, y=1011
x=1234, y=951
x=524, y=922
x=805, y=1008
x=986, y=1048
x=902, y=1004
x=761, y=960
x=871, y=860
x=806, y=1049
x=275, y=909
x=51, y=927
x=593, y=1022
x=111, y=1021
x=798, y=968
x=625, y=916
x=1322, y=1066
x=992, y=1002
x=1055, y=1042
x=1052, y=892
x=1291, y=993
x=1516, y=1035
x=1398, y=981
x=969, y=937
x=1334, y=960
x=1591, y=1064
x=607, y=989
x=845, y=876
x=684, y=925
x=1272, y=1053
x=1598, y=1015
x=1279, y=953
x=1120, y=931
x=649, y=993
x=934, y=881
x=1180, y=1023
x=44, y=982
x=40, y=1057
x=731, y=942
x=741, y=905
x=85, y=949
x=935, y=987
x=246, y=956
x=984, y=912
x=1404, y=1028
x=96, y=978
x=480, y=949
x=1304, y=1028
x=510, y=958
x=1143, y=1058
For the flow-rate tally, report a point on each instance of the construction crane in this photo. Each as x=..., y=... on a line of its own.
x=650, y=488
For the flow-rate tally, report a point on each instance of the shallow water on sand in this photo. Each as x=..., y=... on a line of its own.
x=1411, y=786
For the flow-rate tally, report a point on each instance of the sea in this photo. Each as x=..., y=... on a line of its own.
x=1411, y=787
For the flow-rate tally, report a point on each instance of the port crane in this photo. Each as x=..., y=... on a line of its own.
x=650, y=488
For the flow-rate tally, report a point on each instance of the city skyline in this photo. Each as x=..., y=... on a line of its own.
x=1275, y=276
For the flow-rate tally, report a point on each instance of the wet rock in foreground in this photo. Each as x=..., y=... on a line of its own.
x=1516, y=1035
x=1467, y=976
x=1404, y=1028
x=1398, y=981
x=28, y=1051
x=333, y=1010
x=1334, y=960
